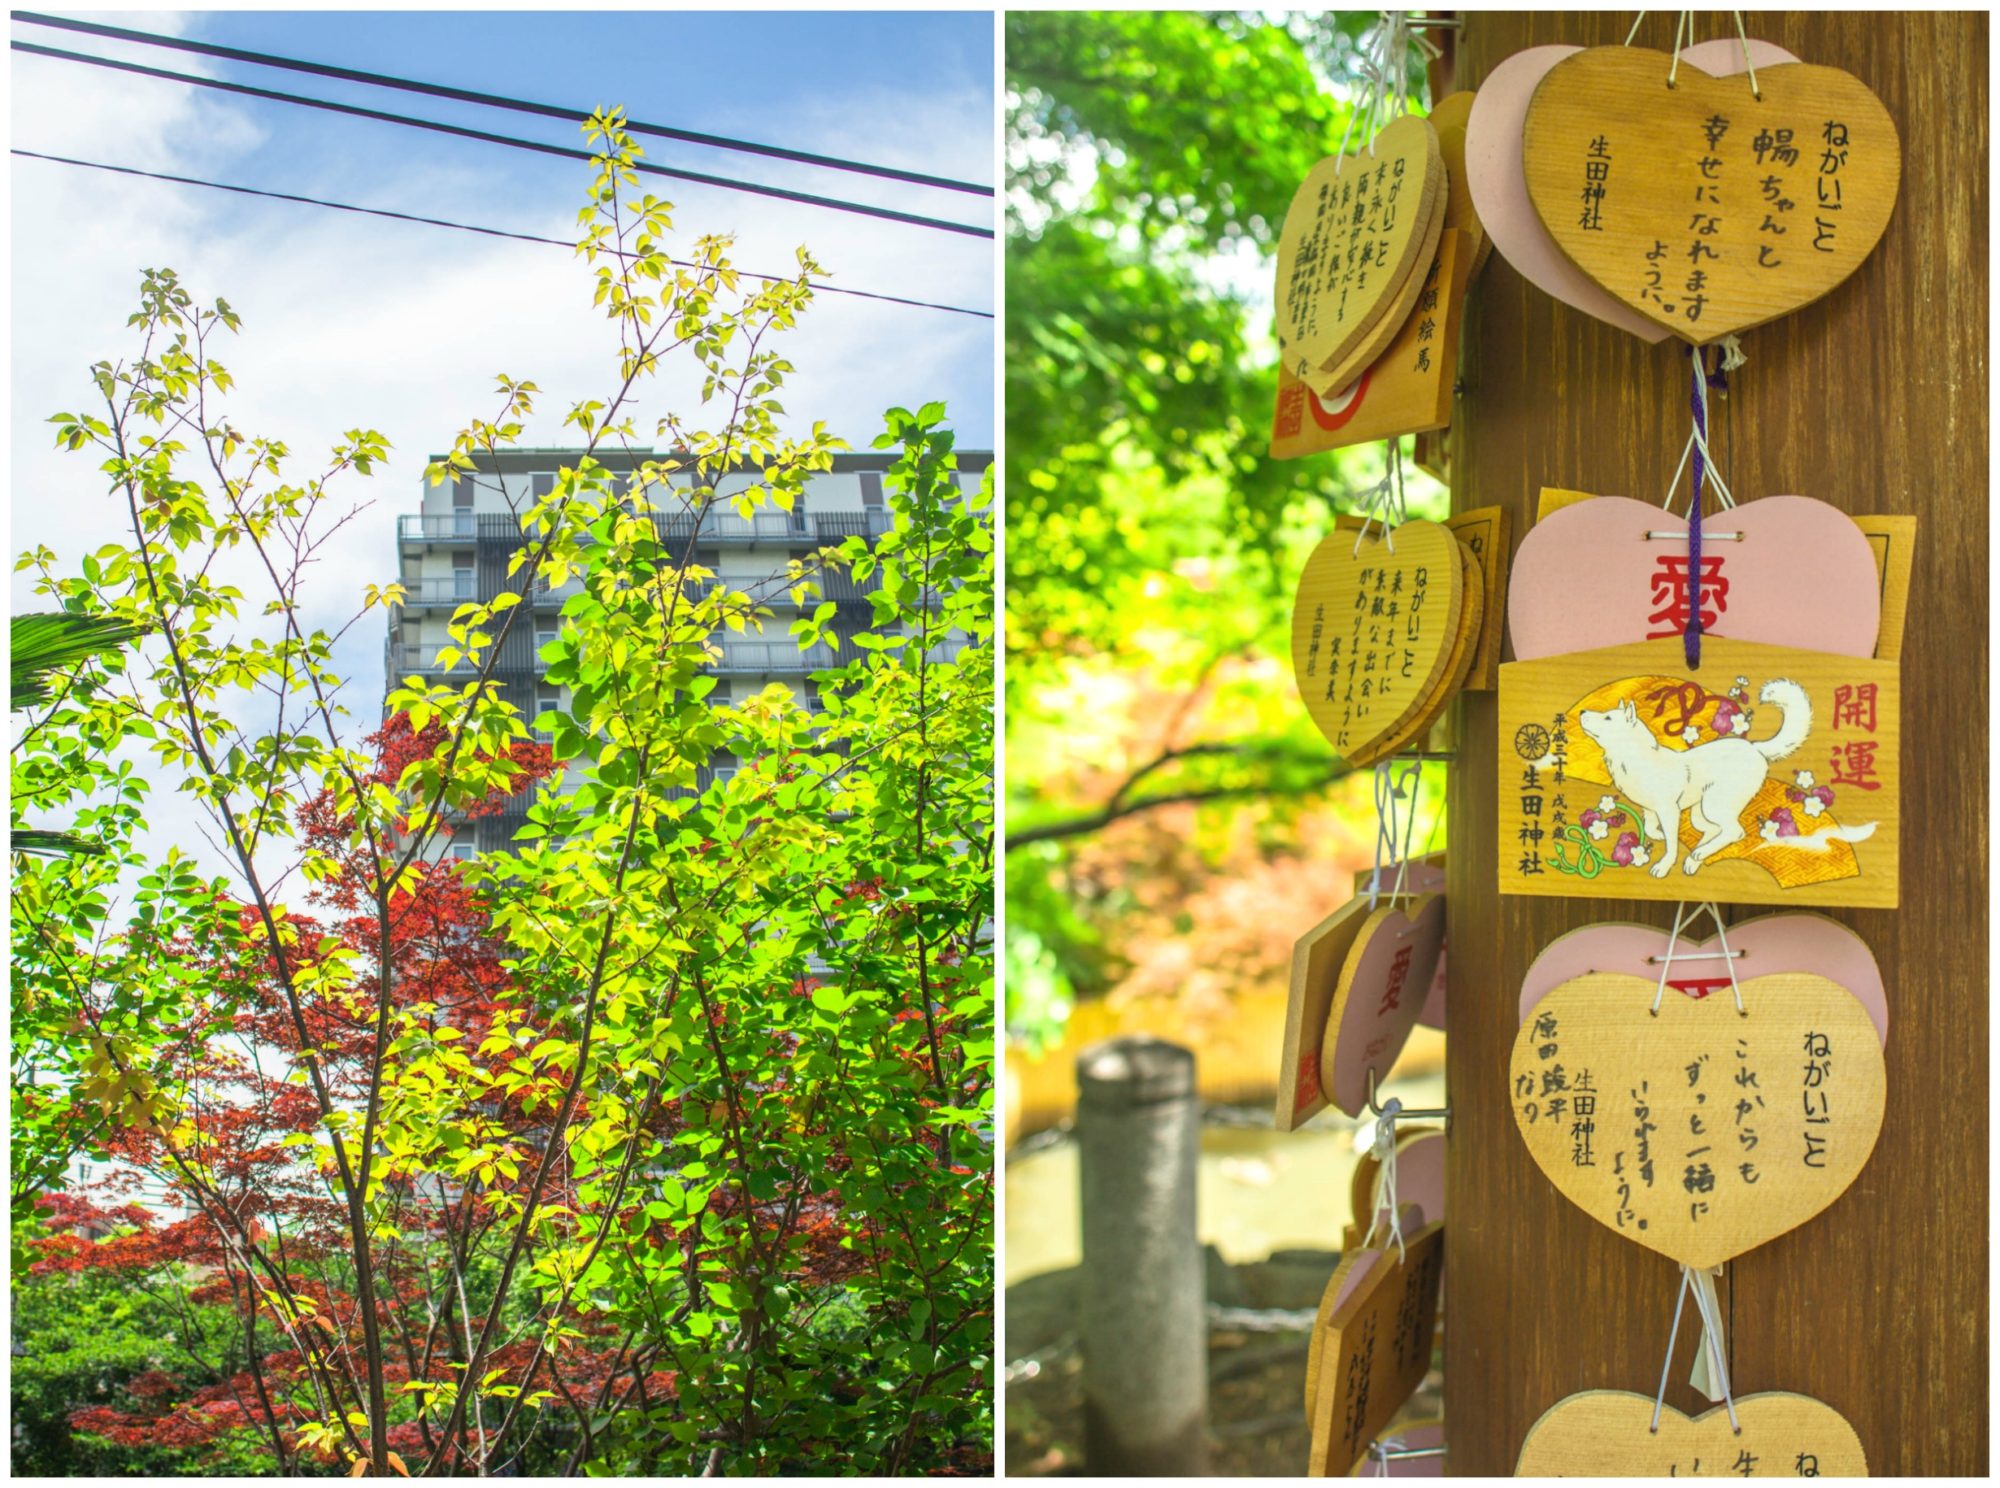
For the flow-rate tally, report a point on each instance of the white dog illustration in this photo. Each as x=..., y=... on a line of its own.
x=1714, y=782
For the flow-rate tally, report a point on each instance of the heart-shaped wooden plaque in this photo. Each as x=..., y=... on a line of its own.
x=1355, y=231
x=1769, y=943
x=1705, y=207
x=1450, y=676
x=1373, y=624
x=1382, y=990
x=1699, y=1132
x=1781, y=570
x=1608, y=1434
x=1425, y=875
x=1500, y=187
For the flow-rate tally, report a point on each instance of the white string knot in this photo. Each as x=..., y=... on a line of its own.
x=1382, y=1194
x=1387, y=498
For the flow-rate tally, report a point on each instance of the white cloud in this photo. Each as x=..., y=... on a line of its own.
x=355, y=321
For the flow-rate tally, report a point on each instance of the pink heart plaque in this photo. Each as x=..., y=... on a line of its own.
x=1424, y=876
x=1499, y=182
x=1382, y=990
x=1767, y=944
x=1781, y=570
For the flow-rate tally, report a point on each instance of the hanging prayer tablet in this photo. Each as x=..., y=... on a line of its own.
x=1408, y=387
x=1358, y=226
x=1891, y=544
x=1700, y=968
x=1709, y=204
x=1317, y=960
x=1373, y=630
x=1375, y=1350
x=1424, y=875
x=1499, y=185
x=1695, y=1130
x=1609, y=1433
x=1381, y=991
x=1784, y=570
x=1765, y=776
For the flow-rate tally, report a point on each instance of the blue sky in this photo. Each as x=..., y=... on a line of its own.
x=777, y=78
x=358, y=321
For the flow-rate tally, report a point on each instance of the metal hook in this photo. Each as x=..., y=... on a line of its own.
x=1443, y=1114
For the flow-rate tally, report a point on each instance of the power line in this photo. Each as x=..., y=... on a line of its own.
x=491, y=232
x=494, y=100
x=727, y=184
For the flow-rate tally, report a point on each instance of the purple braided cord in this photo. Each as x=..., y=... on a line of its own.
x=1691, y=639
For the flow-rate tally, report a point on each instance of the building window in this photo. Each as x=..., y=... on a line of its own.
x=461, y=505
x=547, y=700
x=871, y=490
x=462, y=852
x=461, y=575
x=542, y=483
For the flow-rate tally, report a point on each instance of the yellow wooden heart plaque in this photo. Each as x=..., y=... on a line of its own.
x=1608, y=1434
x=1699, y=1132
x=1337, y=376
x=1354, y=232
x=1703, y=206
x=1451, y=676
x=1373, y=626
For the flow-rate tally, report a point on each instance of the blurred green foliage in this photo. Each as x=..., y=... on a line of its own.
x=1152, y=540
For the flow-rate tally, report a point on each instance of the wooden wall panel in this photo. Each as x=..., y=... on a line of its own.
x=1874, y=399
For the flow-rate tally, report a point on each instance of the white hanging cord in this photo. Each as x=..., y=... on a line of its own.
x=1385, y=69
x=1382, y=1194
x=1412, y=782
x=1728, y=957
x=1723, y=495
x=1702, y=1284
x=1684, y=918
x=1722, y=491
x=1635, y=28
x=1673, y=1337
x=1385, y=827
x=1386, y=499
x=1394, y=830
x=1711, y=1349
x=1684, y=24
x=1748, y=66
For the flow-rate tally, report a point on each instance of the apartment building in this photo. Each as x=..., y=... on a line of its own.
x=456, y=549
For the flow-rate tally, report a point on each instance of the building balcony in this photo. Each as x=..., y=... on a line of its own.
x=456, y=528
x=464, y=527
x=770, y=656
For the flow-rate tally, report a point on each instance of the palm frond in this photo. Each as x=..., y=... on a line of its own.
x=42, y=644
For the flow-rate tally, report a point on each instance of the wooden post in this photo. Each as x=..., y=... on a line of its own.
x=1875, y=400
